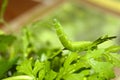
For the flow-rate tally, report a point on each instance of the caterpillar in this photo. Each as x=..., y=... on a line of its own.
x=77, y=46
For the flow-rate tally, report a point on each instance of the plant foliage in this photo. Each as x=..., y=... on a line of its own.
x=22, y=59
x=64, y=64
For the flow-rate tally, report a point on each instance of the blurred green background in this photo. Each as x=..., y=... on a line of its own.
x=79, y=23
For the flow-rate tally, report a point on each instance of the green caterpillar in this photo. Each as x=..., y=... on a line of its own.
x=77, y=46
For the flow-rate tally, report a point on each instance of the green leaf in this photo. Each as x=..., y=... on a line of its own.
x=104, y=69
x=103, y=39
x=5, y=41
x=115, y=59
x=71, y=57
x=3, y=47
x=41, y=74
x=2, y=10
x=95, y=77
x=26, y=41
x=94, y=54
x=21, y=77
x=56, y=64
x=45, y=70
x=69, y=68
x=25, y=67
x=47, y=66
x=74, y=67
x=38, y=70
x=77, y=76
x=37, y=67
x=113, y=49
x=74, y=77
x=5, y=66
x=51, y=75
